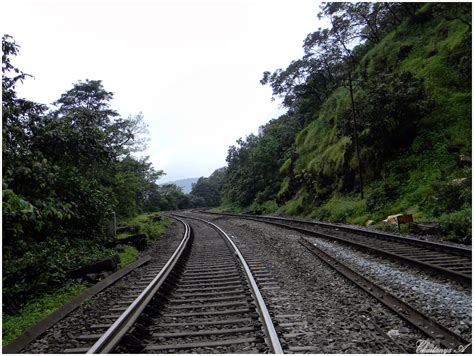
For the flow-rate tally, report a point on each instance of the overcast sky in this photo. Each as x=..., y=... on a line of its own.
x=192, y=67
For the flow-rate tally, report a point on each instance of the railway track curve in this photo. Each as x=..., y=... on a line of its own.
x=204, y=299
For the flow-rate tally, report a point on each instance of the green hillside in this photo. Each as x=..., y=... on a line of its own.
x=412, y=98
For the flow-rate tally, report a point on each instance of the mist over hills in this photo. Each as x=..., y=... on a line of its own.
x=184, y=184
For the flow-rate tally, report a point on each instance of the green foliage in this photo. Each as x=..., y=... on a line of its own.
x=129, y=255
x=266, y=207
x=227, y=208
x=43, y=268
x=381, y=193
x=206, y=192
x=457, y=226
x=340, y=209
x=167, y=197
x=253, y=172
x=65, y=171
x=152, y=229
x=34, y=311
x=411, y=78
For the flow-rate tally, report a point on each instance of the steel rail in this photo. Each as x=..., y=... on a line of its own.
x=436, y=246
x=269, y=328
x=422, y=322
x=460, y=277
x=111, y=338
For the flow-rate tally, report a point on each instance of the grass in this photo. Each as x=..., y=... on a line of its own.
x=129, y=255
x=226, y=208
x=34, y=311
x=344, y=209
x=153, y=230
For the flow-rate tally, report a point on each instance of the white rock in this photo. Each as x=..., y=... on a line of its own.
x=392, y=219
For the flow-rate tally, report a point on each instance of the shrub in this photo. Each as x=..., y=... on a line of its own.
x=457, y=225
x=380, y=194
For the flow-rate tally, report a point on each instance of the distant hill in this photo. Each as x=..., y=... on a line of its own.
x=184, y=184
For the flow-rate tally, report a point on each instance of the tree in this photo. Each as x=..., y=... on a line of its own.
x=65, y=170
x=206, y=192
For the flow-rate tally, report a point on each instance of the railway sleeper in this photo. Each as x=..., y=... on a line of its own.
x=235, y=283
x=210, y=279
x=216, y=289
x=208, y=305
x=201, y=299
x=218, y=312
x=210, y=294
x=247, y=340
x=207, y=332
x=201, y=323
x=209, y=274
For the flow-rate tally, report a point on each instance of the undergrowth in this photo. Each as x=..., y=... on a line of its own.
x=37, y=309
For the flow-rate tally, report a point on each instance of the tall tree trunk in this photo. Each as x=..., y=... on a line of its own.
x=356, y=138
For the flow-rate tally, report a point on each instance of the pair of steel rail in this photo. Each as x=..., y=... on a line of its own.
x=445, y=337
x=458, y=254
x=113, y=336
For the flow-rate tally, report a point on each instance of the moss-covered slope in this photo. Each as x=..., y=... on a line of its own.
x=427, y=175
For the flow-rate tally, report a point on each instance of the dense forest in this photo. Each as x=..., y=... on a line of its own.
x=378, y=121
x=67, y=170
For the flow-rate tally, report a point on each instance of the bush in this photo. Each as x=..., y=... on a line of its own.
x=129, y=255
x=449, y=197
x=341, y=210
x=42, y=268
x=34, y=311
x=457, y=225
x=380, y=194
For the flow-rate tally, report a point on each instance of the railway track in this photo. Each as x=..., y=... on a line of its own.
x=450, y=341
x=441, y=259
x=204, y=299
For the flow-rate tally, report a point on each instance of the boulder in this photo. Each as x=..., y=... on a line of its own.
x=465, y=160
x=393, y=333
x=392, y=219
x=369, y=223
x=458, y=181
x=139, y=241
x=107, y=264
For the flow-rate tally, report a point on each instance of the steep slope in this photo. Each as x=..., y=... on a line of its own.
x=427, y=176
x=412, y=101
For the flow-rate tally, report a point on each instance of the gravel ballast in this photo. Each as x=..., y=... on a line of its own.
x=341, y=317
x=316, y=309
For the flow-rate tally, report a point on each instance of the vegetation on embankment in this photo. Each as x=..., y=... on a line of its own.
x=147, y=225
x=410, y=76
x=32, y=312
x=66, y=169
